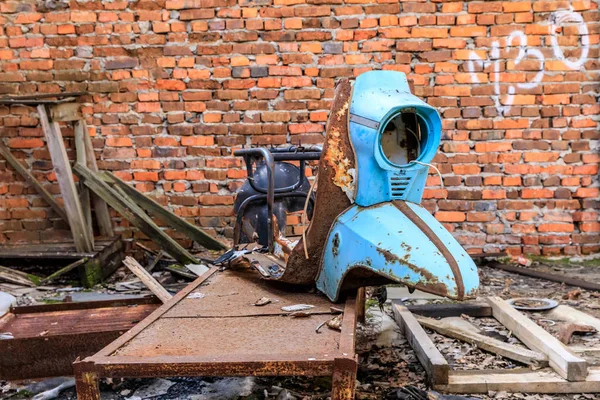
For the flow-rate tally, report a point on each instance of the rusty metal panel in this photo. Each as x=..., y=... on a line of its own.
x=48, y=338
x=233, y=296
x=222, y=333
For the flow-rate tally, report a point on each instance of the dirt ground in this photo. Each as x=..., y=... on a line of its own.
x=386, y=361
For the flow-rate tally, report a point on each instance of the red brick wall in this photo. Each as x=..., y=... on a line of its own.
x=177, y=84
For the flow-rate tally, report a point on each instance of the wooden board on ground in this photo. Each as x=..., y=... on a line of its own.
x=17, y=277
x=147, y=279
x=519, y=381
x=486, y=343
x=435, y=364
x=565, y=363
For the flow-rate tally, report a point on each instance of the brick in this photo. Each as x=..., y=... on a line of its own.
x=83, y=16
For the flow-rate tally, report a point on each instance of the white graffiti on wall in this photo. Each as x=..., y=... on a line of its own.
x=518, y=38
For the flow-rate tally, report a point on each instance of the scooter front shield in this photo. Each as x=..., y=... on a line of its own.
x=395, y=242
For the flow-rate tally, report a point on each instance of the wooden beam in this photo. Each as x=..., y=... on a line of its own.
x=160, y=212
x=452, y=310
x=147, y=279
x=518, y=381
x=30, y=179
x=486, y=343
x=567, y=280
x=64, y=175
x=140, y=220
x=84, y=193
x=17, y=277
x=65, y=112
x=100, y=207
x=565, y=363
x=429, y=356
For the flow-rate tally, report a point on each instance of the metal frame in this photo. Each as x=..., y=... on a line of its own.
x=340, y=363
x=291, y=153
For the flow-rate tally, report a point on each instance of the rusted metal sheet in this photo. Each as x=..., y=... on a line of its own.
x=212, y=328
x=333, y=182
x=48, y=338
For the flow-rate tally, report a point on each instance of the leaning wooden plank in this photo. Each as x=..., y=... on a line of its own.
x=567, y=280
x=64, y=175
x=17, y=277
x=565, y=363
x=518, y=381
x=84, y=193
x=64, y=270
x=140, y=220
x=432, y=360
x=570, y=314
x=147, y=279
x=486, y=343
x=33, y=182
x=158, y=211
x=100, y=207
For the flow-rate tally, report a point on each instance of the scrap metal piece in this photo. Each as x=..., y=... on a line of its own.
x=334, y=179
x=532, y=304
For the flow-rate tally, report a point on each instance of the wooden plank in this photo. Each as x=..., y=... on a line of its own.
x=100, y=207
x=452, y=310
x=30, y=179
x=158, y=211
x=432, y=360
x=565, y=363
x=65, y=112
x=14, y=276
x=64, y=175
x=519, y=381
x=147, y=279
x=84, y=193
x=139, y=219
x=38, y=96
x=567, y=280
x=37, y=102
x=486, y=343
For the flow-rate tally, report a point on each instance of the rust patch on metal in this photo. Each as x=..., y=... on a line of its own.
x=431, y=281
x=414, y=218
x=339, y=163
x=336, y=244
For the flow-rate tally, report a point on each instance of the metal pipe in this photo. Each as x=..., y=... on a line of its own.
x=270, y=162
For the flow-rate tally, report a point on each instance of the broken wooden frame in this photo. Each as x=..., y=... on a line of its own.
x=218, y=332
x=101, y=262
x=48, y=338
x=569, y=373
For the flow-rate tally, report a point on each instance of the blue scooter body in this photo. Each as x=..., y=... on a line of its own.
x=386, y=236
